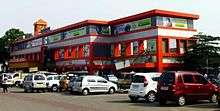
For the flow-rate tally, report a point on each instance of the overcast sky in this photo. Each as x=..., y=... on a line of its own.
x=58, y=13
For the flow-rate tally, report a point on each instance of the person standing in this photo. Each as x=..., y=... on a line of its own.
x=4, y=85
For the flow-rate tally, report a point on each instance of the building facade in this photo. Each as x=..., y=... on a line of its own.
x=149, y=41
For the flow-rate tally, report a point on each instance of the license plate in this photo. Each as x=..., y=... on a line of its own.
x=164, y=88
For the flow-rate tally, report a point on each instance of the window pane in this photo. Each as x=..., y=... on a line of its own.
x=182, y=46
x=135, y=47
x=151, y=45
x=86, y=50
x=165, y=45
x=123, y=47
x=69, y=52
x=173, y=45
x=188, y=78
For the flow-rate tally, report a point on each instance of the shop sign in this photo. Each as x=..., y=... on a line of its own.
x=131, y=26
x=99, y=29
x=33, y=69
x=36, y=42
x=53, y=38
x=174, y=22
x=76, y=32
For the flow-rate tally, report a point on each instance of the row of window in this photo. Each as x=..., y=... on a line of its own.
x=26, y=57
x=72, y=52
x=109, y=30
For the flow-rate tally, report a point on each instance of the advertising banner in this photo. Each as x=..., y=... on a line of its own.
x=54, y=38
x=36, y=42
x=131, y=26
x=98, y=29
x=76, y=32
x=174, y=22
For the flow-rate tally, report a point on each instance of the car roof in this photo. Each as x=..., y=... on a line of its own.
x=149, y=74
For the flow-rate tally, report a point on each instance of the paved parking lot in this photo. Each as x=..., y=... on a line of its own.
x=17, y=100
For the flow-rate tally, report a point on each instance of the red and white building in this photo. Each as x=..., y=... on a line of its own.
x=95, y=45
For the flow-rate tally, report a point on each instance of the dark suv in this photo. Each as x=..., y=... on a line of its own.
x=182, y=87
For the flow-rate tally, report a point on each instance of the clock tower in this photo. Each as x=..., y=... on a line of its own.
x=38, y=26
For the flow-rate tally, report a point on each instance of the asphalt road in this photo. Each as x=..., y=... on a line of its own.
x=17, y=100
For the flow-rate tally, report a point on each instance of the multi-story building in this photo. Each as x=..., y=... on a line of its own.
x=149, y=41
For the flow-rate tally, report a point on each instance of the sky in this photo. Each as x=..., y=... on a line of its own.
x=58, y=13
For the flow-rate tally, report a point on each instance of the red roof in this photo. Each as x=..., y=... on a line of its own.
x=155, y=12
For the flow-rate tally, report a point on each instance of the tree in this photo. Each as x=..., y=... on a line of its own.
x=203, y=56
x=8, y=38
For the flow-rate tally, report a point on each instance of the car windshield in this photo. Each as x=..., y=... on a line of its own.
x=167, y=78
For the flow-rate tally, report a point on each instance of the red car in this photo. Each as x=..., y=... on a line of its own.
x=183, y=86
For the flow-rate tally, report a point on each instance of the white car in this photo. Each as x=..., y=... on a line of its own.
x=9, y=76
x=35, y=82
x=144, y=85
x=53, y=82
x=89, y=84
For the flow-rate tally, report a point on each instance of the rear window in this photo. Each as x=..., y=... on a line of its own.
x=39, y=77
x=167, y=78
x=138, y=79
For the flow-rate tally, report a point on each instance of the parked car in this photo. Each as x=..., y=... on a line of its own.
x=9, y=80
x=90, y=84
x=53, y=82
x=183, y=87
x=73, y=76
x=35, y=82
x=144, y=85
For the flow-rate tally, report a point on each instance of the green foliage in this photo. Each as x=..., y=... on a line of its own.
x=8, y=38
x=203, y=55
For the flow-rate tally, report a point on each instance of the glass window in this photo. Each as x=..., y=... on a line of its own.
x=102, y=81
x=112, y=49
x=173, y=45
x=200, y=79
x=190, y=23
x=86, y=50
x=61, y=53
x=167, y=78
x=77, y=52
x=165, y=45
x=102, y=50
x=188, y=78
x=69, y=52
x=50, y=78
x=56, y=77
x=151, y=45
x=39, y=77
x=138, y=79
x=182, y=46
x=135, y=47
x=91, y=80
x=123, y=48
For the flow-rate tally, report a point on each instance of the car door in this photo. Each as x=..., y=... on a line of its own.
x=91, y=82
x=102, y=85
x=190, y=87
x=202, y=87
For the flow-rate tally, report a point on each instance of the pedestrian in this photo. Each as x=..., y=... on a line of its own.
x=4, y=85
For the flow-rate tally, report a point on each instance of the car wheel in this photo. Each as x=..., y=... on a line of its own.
x=54, y=88
x=181, y=101
x=85, y=92
x=151, y=97
x=162, y=101
x=111, y=90
x=133, y=99
x=213, y=98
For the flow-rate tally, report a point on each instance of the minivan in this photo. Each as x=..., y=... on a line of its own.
x=91, y=84
x=183, y=87
x=35, y=82
x=144, y=85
